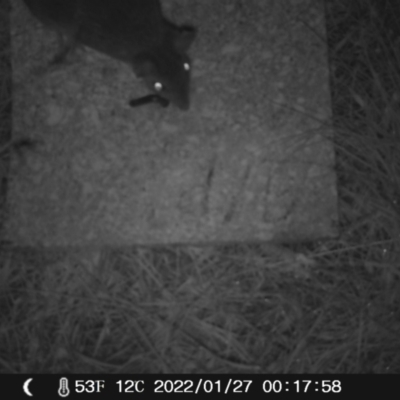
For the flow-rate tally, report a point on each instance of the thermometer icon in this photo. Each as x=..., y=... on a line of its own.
x=63, y=390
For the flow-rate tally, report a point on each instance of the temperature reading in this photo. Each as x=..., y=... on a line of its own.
x=130, y=386
x=89, y=386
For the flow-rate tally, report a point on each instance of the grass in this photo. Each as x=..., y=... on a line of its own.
x=331, y=306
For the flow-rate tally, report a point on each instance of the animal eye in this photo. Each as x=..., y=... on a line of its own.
x=158, y=87
x=186, y=66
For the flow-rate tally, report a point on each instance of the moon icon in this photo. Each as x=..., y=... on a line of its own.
x=26, y=389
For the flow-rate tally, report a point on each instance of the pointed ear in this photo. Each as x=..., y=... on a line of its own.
x=184, y=37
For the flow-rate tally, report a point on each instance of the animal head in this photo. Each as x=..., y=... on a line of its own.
x=166, y=69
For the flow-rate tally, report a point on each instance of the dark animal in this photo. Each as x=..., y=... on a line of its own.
x=133, y=31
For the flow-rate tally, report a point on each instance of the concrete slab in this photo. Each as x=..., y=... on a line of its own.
x=251, y=160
